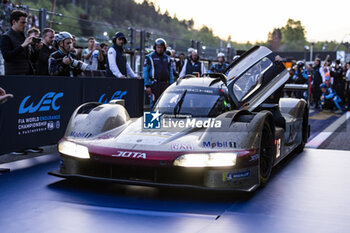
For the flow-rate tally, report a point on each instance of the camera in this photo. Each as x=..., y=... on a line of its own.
x=36, y=40
x=78, y=64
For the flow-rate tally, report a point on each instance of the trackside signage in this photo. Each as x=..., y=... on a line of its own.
x=40, y=116
x=42, y=106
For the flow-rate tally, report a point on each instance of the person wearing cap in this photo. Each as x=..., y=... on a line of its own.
x=157, y=70
x=221, y=66
x=116, y=61
x=60, y=60
x=329, y=98
x=193, y=67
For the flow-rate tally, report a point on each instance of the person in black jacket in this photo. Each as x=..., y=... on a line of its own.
x=316, y=82
x=14, y=46
x=62, y=62
x=338, y=81
x=48, y=36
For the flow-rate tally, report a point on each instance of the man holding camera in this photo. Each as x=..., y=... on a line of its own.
x=62, y=62
x=14, y=46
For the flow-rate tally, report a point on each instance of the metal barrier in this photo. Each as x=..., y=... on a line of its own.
x=42, y=106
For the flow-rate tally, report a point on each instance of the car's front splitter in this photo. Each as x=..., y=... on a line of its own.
x=215, y=178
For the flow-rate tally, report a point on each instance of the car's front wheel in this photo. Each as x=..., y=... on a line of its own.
x=267, y=154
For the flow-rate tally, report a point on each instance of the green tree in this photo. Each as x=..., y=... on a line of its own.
x=274, y=39
x=293, y=36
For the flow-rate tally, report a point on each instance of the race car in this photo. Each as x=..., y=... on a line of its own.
x=214, y=132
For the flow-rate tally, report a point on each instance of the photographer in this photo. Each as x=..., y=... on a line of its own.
x=35, y=47
x=14, y=46
x=44, y=53
x=62, y=62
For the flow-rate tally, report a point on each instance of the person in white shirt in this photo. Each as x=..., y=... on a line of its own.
x=116, y=62
x=92, y=54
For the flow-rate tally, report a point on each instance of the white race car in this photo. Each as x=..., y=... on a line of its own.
x=215, y=132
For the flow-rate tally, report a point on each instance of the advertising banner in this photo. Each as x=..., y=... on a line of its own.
x=39, y=112
x=42, y=106
x=104, y=90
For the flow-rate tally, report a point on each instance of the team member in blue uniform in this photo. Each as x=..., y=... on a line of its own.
x=300, y=77
x=194, y=66
x=157, y=71
x=329, y=97
x=220, y=66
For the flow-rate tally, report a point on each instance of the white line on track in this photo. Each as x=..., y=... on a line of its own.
x=321, y=137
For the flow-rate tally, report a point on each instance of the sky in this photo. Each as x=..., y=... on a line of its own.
x=252, y=20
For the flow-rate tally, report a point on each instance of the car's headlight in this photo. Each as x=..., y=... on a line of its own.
x=206, y=160
x=73, y=149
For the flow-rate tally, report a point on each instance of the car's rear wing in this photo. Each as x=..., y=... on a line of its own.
x=295, y=87
x=300, y=88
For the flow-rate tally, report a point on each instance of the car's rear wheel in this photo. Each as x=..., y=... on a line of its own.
x=267, y=154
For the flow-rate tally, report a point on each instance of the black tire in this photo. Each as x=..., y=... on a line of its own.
x=267, y=154
x=305, y=132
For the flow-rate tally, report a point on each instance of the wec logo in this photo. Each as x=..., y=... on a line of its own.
x=115, y=96
x=47, y=101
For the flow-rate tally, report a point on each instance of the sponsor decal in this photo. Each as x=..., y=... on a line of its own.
x=181, y=147
x=35, y=123
x=151, y=120
x=38, y=124
x=253, y=158
x=117, y=95
x=80, y=134
x=219, y=144
x=50, y=125
x=131, y=154
x=234, y=175
x=46, y=103
x=58, y=124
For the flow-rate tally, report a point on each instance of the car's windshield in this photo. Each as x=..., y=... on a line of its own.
x=195, y=102
x=250, y=80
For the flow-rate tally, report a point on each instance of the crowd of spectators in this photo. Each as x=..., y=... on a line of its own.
x=46, y=53
x=329, y=82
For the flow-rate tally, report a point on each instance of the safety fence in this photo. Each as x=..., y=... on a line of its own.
x=42, y=106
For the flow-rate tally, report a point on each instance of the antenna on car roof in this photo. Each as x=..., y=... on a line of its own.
x=187, y=76
x=217, y=78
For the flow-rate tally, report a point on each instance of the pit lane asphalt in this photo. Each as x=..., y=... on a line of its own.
x=308, y=192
